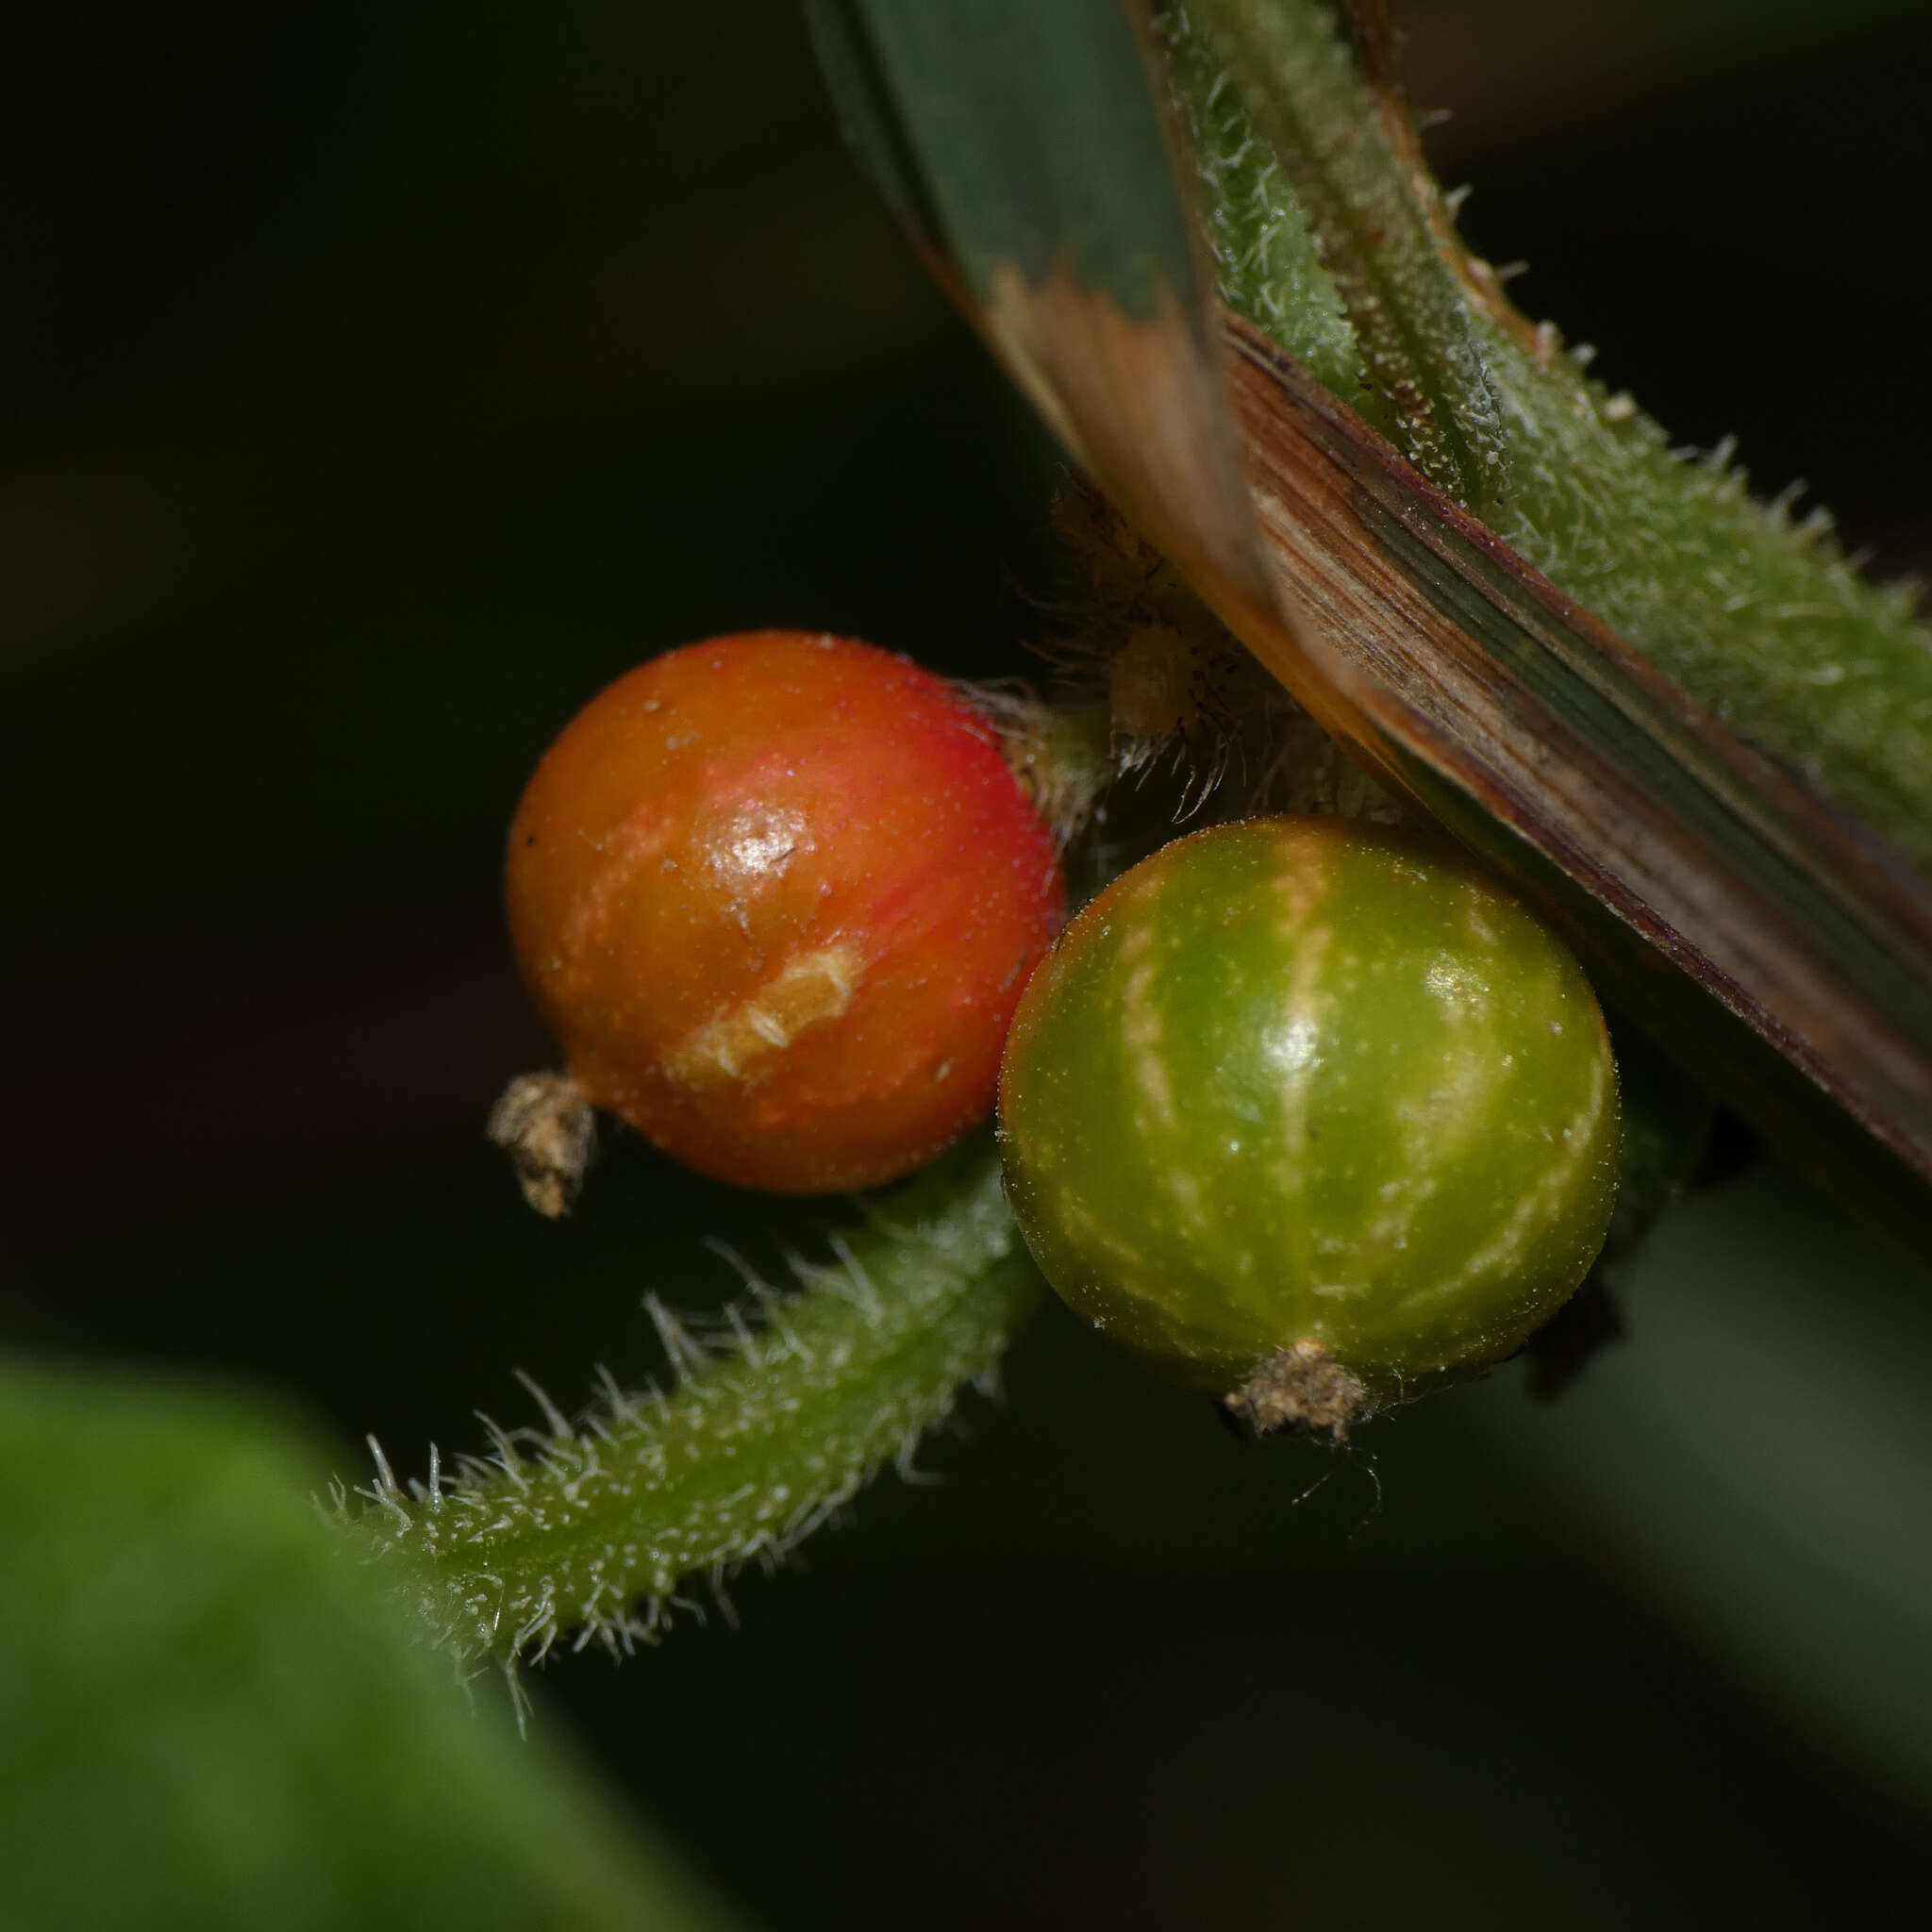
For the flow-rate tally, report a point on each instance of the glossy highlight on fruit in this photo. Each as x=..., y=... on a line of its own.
x=1308, y=1092
x=775, y=896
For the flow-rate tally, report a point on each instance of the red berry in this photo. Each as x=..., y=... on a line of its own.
x=777, y=896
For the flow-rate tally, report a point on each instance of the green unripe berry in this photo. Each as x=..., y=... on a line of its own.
x=1312, y=1115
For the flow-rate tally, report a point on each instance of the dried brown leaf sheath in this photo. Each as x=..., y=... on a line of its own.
x=1725, y=909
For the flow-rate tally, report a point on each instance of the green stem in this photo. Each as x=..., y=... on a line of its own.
x=592, y=1529
x=1293, y=79
x=1062, y=755
x=1256, y=230
x=1754, y=612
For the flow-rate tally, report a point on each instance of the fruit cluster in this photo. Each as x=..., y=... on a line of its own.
x=1306, y=1111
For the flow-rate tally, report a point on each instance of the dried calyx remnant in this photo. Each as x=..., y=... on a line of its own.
x=546, y=1127
x=1304, y=1390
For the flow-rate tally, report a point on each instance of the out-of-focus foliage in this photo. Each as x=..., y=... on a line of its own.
x=210, y=1715
x=1762, y=1461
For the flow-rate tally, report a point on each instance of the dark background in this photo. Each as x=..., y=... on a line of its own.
x=375, y=383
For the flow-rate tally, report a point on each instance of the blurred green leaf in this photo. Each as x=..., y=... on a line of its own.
x=1760, y=1460
x=209, y=1718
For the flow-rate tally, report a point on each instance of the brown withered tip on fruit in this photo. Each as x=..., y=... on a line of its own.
x=1302, y=1387
x=547, y=1128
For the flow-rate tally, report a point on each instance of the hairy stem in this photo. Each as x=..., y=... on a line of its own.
x=1293, y=78
x=591, y=1529
x=1751, y=610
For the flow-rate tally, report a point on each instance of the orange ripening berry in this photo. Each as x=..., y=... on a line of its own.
x=777, y=896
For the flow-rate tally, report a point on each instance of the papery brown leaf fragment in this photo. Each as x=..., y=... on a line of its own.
x=1656, y=839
